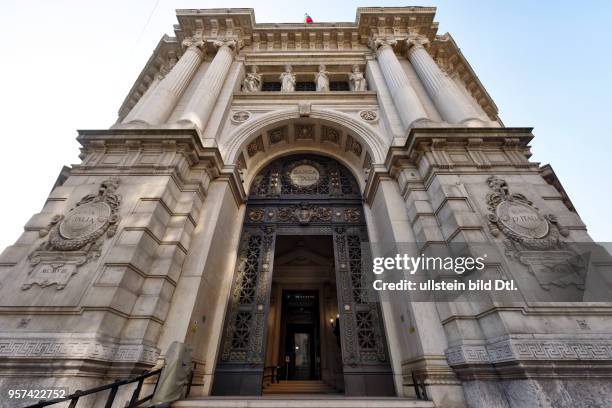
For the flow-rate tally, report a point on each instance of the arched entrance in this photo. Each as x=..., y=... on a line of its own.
x=299, y=267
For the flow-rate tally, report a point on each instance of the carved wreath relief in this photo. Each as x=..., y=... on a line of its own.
x=532, y=238
x=75, y=238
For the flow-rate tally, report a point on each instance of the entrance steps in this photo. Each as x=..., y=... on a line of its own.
x=302, y=401
x=299, y=387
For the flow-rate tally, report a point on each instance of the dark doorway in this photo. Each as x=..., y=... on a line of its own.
x=300, y=319
x=302, y=236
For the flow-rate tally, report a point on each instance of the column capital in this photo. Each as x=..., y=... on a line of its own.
x=195, y=41
x=415, y=40
x=375, y=43
x=235, y=44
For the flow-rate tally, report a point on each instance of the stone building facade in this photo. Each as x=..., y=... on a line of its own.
x=249, y=165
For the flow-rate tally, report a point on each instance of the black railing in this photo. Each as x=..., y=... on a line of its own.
x=271, y=373
x=193, y=369
x=113, y=387
x=418, y=382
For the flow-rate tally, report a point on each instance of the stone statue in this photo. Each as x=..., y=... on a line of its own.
x=287, y=80
x=357, y=81
x=252, y=81
x=322, y=79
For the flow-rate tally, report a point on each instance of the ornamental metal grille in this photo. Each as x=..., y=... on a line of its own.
x=294, y=195
x=354, y=252
x=242, y=329
x=248, y=277
x=366, y=334
x=334, y=180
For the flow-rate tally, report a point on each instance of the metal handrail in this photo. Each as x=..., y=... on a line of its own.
x=113, y=387
x=419, y=387
x=273, y=375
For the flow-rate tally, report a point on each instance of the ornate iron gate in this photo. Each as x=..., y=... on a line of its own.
x=303, y=195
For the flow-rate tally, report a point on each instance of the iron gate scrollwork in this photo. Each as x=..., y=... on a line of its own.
x=315, y=195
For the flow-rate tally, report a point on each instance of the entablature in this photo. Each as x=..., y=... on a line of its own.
x=339, y=97
x=338, y=45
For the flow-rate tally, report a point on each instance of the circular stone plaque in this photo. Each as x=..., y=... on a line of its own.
x=304, y=175
x=85, y=220
x=522, y=219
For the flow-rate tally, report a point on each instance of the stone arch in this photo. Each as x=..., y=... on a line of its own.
x=355, y=171
x=251, y=145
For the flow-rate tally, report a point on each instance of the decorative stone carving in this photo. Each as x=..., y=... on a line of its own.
x=377, y=42
x=305, y=108
x=231, y=43
x=240, y=116
x=353, y=146
x=74, y=239
x=255, y=146
x=519, y=220
x=76, y=347
x=196, y=41
x=278, y=135
x=252, y=81
x=322, y=79
x=533, y=239
x=526, y=349
x=329, y=134
x=368, y=115
x=304, y=213
x=304, y=132
x=287, y=79
x=357, y=81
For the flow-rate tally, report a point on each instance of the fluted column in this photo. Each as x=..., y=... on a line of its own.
x=205, y=96
x=166, y=94
x=142, y=101
x=409, y=107
x=452, y=104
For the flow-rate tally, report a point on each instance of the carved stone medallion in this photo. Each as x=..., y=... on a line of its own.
x=522, y=219
x=304, y=175
x=74, y=239
x=368, y=115
x=519, y=220
x=240, y=116
x=85, y=220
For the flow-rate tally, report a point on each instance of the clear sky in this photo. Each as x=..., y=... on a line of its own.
x=67, y=65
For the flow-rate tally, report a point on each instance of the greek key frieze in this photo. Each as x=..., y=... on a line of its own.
x=76, y=348
x=519, y=350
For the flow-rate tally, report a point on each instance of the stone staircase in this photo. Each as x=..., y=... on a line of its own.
x=288, y=400
x=299, y=387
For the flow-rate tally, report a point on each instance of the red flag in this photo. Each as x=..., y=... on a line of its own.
x=307, y=19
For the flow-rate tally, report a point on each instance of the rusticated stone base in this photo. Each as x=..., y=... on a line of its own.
x=545, y=393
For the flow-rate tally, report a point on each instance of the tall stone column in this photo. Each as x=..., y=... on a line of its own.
x=205, y=96
x=160, y=104
x=409, y=107
x=449, y=100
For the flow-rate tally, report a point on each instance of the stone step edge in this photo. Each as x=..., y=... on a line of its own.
x=303, y=403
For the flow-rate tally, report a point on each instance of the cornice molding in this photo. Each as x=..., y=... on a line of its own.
x=187, y=141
